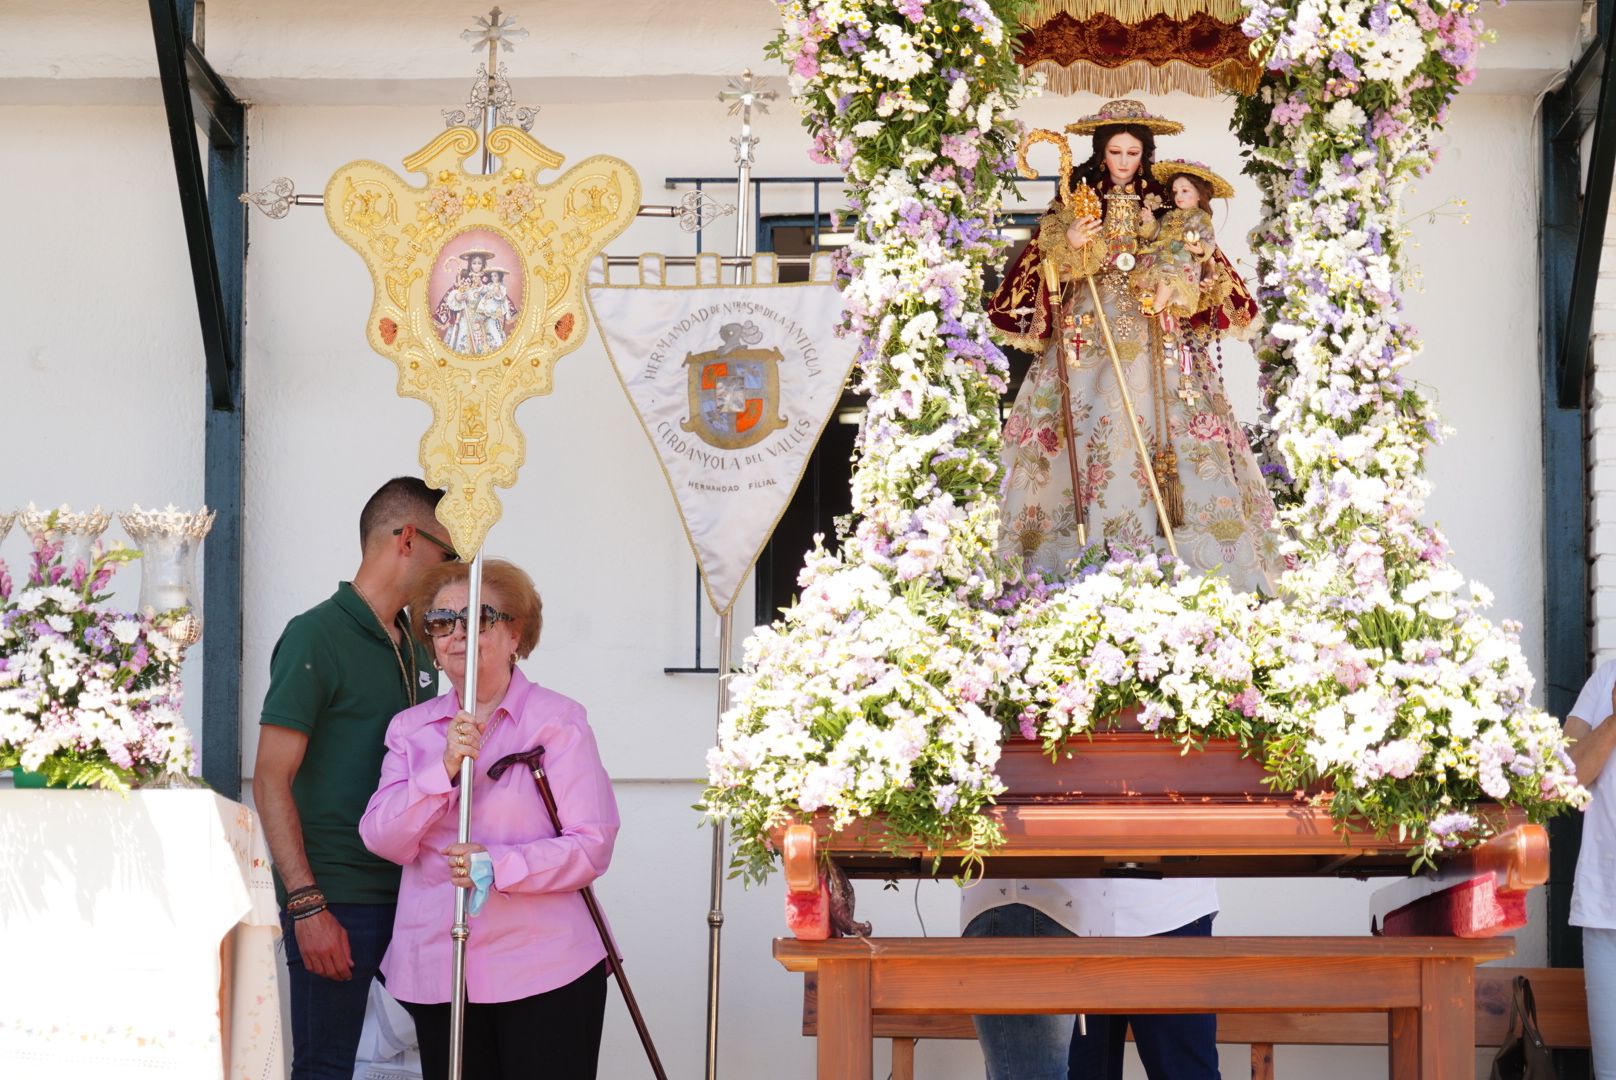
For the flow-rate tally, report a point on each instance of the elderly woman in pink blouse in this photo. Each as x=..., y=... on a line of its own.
x=535, y=965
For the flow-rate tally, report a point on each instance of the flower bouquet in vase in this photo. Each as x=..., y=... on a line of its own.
x=88, y=697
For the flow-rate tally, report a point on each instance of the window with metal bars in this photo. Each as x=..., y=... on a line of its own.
x=825, y=493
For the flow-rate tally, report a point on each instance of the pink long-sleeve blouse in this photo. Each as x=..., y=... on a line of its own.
x=534, y=933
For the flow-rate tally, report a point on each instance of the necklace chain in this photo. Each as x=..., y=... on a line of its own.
x=407, y=674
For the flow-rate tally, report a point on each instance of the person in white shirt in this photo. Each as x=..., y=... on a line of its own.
x=1172, y=1046
x=1593, y=897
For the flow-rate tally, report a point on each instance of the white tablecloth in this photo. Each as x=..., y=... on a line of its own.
x=112, y=912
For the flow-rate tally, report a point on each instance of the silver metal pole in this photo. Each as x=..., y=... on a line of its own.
x=457, y=1003
x=715, y=906
x=474, y=607
x=743, y=94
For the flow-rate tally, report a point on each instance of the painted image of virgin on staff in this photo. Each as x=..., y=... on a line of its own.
x=476, y=287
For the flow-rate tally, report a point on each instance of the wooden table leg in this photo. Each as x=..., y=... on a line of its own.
x=1403, y=1044
x=846, y=1035
x=1437, y=1041
x=1262, y=1061
x=1447, y=1020
x=903, y=1059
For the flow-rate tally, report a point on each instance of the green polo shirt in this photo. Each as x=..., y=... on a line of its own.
x=334, y=677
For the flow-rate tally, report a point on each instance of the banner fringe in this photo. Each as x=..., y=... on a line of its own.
x=1139, y=77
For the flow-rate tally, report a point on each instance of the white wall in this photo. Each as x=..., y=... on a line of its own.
x=105, y=404
x=101, y=371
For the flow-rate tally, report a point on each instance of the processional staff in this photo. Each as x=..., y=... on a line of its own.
x=743, y=94
x=495, y=30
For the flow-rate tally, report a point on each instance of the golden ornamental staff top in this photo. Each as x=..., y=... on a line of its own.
x=478, y=290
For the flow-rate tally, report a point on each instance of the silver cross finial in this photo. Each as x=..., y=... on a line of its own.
x=495, y=28
x=492, y=91
x=745, y=94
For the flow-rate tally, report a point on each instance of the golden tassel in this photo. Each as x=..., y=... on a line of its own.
x=1137, y=76
x=1172, y=488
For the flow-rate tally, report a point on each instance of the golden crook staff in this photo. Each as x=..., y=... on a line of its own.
x=1133, y=420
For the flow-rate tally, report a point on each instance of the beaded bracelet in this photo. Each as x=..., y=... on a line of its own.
x=308, y=913
x=307, y=898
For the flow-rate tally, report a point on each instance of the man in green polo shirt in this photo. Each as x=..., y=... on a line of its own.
x=338, y=675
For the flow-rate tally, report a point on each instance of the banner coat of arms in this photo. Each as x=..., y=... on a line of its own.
x=478, y=291
x=733, y=385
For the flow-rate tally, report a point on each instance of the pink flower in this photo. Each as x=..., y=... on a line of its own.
x=1205, y=425
x=1246, y=701
x=1399, y=759
x=962, y=149
x=824, y=148
x=1290, y=111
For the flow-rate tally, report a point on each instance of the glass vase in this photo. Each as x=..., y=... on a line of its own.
x=169, y=540
x=77, y=532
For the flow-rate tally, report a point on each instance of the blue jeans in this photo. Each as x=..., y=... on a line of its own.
x=327, y=1015
x=1173, y=1046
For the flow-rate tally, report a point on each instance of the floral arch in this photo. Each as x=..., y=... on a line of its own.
x=888, y=686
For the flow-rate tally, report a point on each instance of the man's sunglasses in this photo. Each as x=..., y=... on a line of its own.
x=435, y=542
x=440, y=622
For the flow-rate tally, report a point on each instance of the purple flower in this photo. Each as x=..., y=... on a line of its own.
x=1386, y=126
x=1450, y=826
x=1028, y=723
x=1345, y=65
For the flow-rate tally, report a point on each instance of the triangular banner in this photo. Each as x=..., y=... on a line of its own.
x=733, y=385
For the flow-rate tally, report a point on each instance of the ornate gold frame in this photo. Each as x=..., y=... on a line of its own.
x=400, y=230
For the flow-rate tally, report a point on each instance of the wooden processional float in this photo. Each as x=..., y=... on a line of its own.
x=1127, y=804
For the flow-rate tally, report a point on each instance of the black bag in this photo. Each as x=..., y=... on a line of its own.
x=1523, y=1055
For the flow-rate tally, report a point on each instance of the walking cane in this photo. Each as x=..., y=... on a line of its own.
x=533, y=761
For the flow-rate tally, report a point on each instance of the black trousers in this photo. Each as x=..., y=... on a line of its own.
x=554, y=1035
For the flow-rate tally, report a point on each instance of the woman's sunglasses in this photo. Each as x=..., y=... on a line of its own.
x=440, y=622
